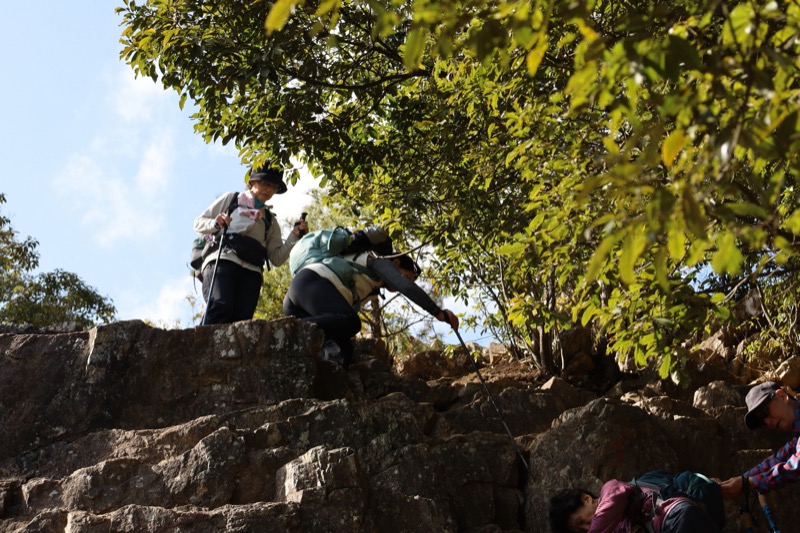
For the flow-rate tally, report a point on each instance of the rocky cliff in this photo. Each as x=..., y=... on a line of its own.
x=130, y=428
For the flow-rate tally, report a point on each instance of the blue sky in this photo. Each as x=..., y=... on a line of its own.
x=104, y=169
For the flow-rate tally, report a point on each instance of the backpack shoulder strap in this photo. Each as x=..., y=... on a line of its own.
x=267, y=222
x=267, y=226
x=234, y=203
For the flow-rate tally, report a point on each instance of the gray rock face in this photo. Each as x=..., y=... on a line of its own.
x=129, y=375
x=241, y=428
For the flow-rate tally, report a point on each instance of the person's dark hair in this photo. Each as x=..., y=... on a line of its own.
x=406, y=263
x=562, y=505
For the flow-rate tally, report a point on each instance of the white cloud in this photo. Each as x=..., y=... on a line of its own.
x=82, y=175
x=136, y=100
x=155, y=165
x=116, y=185
x=170, y=307
x=111, y=206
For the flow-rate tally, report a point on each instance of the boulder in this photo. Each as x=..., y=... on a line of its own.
x=242, y=428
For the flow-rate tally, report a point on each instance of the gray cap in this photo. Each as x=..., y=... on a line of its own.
x=763, y=392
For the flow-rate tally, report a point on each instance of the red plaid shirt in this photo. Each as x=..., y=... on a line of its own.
x=782, y=466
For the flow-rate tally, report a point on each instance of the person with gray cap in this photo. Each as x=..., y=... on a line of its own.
x=768, y=405
x=252, y=238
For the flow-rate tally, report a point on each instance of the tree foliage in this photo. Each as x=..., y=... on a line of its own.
x=629, y=166
x=55, y=298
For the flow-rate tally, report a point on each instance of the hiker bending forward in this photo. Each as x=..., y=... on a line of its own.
x=329, y=294
x=624, y=508
x=769, y=405
x=253, y=236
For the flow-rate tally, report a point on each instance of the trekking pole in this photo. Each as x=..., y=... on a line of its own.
x=491, y=399
x=744, y=508
x=214, y=274
x=767, y=511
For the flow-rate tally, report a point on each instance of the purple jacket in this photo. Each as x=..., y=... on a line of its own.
x=621, y=507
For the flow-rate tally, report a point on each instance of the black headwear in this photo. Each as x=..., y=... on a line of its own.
x=269, y=175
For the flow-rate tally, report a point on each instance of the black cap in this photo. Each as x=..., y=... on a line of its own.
x=270, y=175
x=758, y=395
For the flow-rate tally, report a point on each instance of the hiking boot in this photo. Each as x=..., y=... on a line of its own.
x=332, y=352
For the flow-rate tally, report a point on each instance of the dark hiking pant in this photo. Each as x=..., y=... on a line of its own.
x=687, y=517
x=235, y=293
x=315, y=299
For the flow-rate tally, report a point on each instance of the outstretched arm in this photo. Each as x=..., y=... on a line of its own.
x=732, y=488
x=388, y=272
x=778, y=469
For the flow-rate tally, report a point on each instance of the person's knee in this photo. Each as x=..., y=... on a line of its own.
x=288, y=306
x=352, y=324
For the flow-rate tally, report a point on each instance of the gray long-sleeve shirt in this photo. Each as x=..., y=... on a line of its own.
x=388, y=272
x=277, y=249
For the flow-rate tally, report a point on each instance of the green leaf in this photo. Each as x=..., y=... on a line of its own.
x=660, y=262
x=415, y=46
x=512, y=249
x=727, y=259
x=785, y=134
x=326, y=6
x=681, y=52
x=676, y=243
x=739, y=25
x=632, y=249
x=672, y=145
x=278, y=15
x=747, y=209
x=792, y=223
x=535, y=56
x=600, y=256
x=693, y=215
x=590, y=312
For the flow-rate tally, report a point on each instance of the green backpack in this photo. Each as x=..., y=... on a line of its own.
x=323, y=246
x=328, y=245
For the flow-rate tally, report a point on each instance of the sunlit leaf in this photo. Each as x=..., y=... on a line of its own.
x=590, y=313
x=660, y=263
x=676, y=243
x=326, y=6
x=632, y=249
x=415, y=46
x=727, y=259
x=793, y=222
x=601, y=255
x=693, y=215
x=672, y=145
x=278, y=15
x=512, y=249
x=534, y=57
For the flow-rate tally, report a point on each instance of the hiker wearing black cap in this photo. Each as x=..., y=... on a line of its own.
x=768, y=405
x=252, y=236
